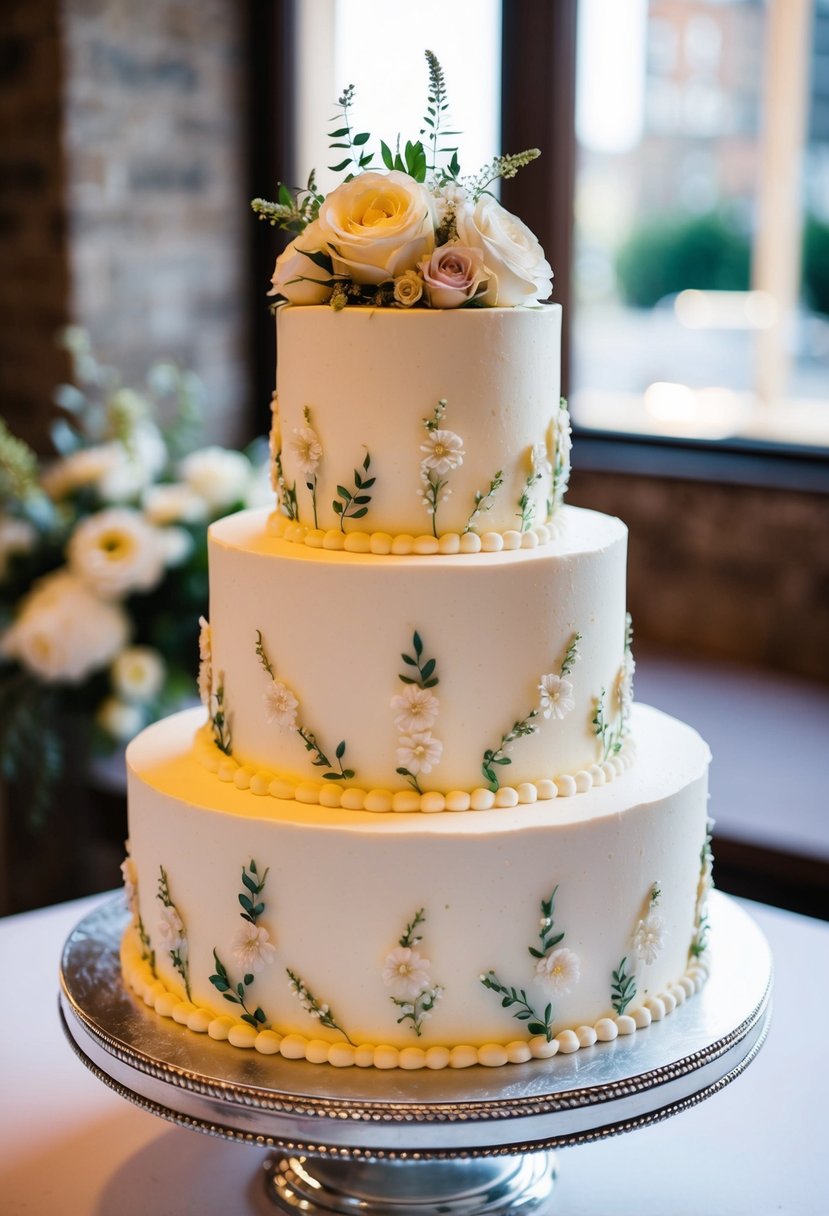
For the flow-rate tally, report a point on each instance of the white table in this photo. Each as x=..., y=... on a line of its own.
x=70, y=1146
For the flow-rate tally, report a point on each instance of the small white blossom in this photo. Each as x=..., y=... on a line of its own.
x=408, y=288
x=252, y=947
x=171, y=928
x=138, y=674
x=626, y=682
x=120, y=719
x=281, y=705
x=539, y=460
x=416, y=709
x=419, y=753
x=307, y=449
x=649, y=938
x=218, y=475
x=116, y=552
x=556, y=696
x=559, y=970
x=406, y=973
x=173, y=504
x=444, y=452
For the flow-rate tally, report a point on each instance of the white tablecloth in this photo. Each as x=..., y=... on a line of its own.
x=69, y=1146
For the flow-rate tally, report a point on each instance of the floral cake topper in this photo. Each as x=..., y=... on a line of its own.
x=418, y=233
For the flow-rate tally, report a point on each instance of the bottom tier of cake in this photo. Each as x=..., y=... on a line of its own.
x=413, y=940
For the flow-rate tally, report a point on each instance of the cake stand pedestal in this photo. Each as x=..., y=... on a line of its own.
x=474, y=1142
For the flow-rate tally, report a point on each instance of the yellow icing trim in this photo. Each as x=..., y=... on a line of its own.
x=406, y=545
x=264, y=782
x=138, y=977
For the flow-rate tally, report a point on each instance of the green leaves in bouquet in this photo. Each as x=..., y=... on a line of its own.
x=343, y=137
x=413, y=160
x=294, y=210
x=437, y=111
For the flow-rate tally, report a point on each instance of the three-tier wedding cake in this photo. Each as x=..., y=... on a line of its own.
x=422, y=823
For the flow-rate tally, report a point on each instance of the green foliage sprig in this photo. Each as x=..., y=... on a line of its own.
x=408, y=938
x=355, y=505
x=178, y=956
x=323, y=1013
x=500, y=166
x=294, y=209
x=437, y=111
x=526, y=506
x=344, y=138
x=517, y=1000
x=623, y=988
x=521, y=729
x=547, y=936
x=219, y=721
x=252, y=909
x=483, y=501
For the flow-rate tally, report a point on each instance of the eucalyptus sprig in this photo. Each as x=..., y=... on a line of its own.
x=517, y=1000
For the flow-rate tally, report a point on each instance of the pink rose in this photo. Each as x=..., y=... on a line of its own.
x=452, y=275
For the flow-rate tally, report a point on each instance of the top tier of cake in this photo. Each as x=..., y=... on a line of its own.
x=427, y=423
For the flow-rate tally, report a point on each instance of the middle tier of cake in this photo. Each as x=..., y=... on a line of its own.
x=434, y=681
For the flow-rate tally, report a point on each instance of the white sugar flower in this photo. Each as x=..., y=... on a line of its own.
x=444, y=452
x=649, y=938
x=217, y=475
x=559, y=970
x=307, y=449
x=171, y=928
x=130, y=877
x=205, y=662
x=417, y=709
x=406, y=973
x=63, y=632
x=281, y=705
x=626, y=682
x=138, y=674
x=122, y=720
x=539, y=460
x=116, y=552
x=173, y=504
x=419, y=753
x=556, y=696
x=252, y=947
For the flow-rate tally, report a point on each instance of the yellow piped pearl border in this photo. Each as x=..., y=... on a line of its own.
x=384, y=544
x=154, y=993
x=264, y=782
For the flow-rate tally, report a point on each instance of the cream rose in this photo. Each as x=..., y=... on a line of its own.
x=296, y=276
x=452, y=275
x=377, y=226
x=518, y=271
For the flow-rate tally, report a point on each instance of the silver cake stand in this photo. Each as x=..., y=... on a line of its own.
x=475, y=1142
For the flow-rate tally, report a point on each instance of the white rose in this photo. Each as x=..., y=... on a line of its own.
x=220, y=476
x=519, y=272
x=141, y=460
x=377, y=226
x=120, y=719
x=116, y=552
x=173, y=504
x=64, y=632
x=138, y=674
x=85, y=467
x=297, y=277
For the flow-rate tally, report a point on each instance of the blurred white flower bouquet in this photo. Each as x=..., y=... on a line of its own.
x=103, y=563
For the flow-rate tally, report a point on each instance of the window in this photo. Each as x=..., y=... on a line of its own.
x=701, y=294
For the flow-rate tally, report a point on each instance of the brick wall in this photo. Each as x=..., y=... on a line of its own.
x=125, y=204
x=34, y=279
x=723, y=570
